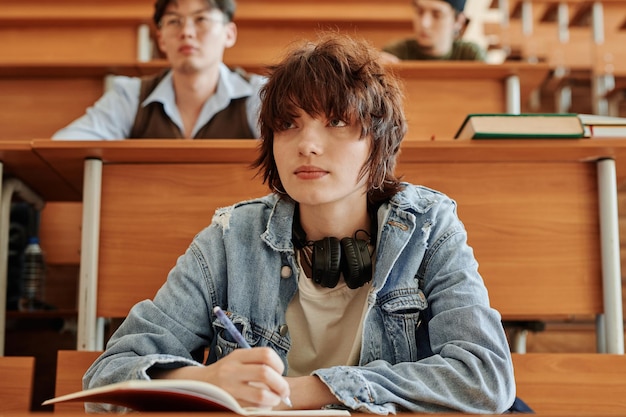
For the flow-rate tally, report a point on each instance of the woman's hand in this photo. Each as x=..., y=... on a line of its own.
x=308, y=393
x=252, y=376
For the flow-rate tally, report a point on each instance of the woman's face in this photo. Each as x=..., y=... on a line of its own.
x=319, y=160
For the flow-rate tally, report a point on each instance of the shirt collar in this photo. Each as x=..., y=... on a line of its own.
x=230, y=85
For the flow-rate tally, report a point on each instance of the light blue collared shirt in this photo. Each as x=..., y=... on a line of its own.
x=113, y=115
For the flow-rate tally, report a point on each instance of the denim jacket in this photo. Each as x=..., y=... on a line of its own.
x=430, y=342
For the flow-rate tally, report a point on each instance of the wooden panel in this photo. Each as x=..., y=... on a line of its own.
x=534, y=228
x=38, y=107
x=572, y=384
x=94, y=42
x=60, y=232
x=151, y=218
x=439, y=95
x=539, y=216
x=436, y=107
x=16, y=383
x=71, y=366
x=266, y=41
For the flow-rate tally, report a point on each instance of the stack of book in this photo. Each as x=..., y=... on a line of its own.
x=603, y=126
x=541, y=126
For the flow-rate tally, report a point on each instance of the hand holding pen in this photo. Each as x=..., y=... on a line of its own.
x=235, y=334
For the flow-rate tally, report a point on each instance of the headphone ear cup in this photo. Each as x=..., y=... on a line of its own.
x=326, y=261
x=356, y=263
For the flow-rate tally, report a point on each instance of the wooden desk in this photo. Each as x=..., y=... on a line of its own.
x=439, y=95
x=24, y=173
x=542, y=212
x=118, y=30
x=17, y=160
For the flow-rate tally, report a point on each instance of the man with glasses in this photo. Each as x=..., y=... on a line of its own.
x=198, y=97
x=438, y=25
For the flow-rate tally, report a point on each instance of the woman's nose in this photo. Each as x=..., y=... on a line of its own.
x=309, y=141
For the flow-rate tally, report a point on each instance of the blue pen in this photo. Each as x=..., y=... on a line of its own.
x=230, y=327
x=241, y=341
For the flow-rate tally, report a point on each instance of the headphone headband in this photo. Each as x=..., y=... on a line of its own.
x=332, y=256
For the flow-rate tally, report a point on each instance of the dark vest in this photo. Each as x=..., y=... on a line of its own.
x=151, y=121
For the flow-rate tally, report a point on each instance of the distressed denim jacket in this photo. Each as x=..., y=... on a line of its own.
x=430, y=342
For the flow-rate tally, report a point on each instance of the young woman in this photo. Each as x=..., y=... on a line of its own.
x=353, y=288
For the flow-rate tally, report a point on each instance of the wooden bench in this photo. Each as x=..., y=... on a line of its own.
x=16, y=383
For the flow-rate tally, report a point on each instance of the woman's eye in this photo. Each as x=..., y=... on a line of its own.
x=337, y=123
x=285, y=125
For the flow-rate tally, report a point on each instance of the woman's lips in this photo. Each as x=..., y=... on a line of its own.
x=310, y=173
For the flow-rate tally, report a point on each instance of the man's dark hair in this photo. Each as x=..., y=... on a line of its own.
x=340, y=77
x=225, y=6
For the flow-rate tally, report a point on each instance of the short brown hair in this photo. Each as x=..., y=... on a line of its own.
x=225, y=6
x=341, y=77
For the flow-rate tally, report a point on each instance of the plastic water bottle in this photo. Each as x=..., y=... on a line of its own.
x=33, y=276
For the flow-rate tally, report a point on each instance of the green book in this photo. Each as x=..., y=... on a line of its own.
x=521, y=126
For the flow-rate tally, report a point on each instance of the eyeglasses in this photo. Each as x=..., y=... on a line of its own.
x=173, y=23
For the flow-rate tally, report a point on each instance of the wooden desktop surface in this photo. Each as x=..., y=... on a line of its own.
x=67, y=157
x=21, y=162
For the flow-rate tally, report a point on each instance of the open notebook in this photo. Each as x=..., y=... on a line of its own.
x=177, y=395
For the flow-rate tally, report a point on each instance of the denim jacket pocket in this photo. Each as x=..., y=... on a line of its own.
x=225, y=342
x=254, y=335
x=402, y=315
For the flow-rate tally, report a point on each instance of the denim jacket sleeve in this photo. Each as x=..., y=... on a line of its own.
x=171, y=331
x=467, y=365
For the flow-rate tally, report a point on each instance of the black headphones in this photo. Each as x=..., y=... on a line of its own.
x=332, y=256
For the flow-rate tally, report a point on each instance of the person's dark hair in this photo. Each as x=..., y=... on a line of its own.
x=339, y=77
x=225, y=6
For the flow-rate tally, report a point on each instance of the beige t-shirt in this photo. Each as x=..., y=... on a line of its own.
x=325, y=325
